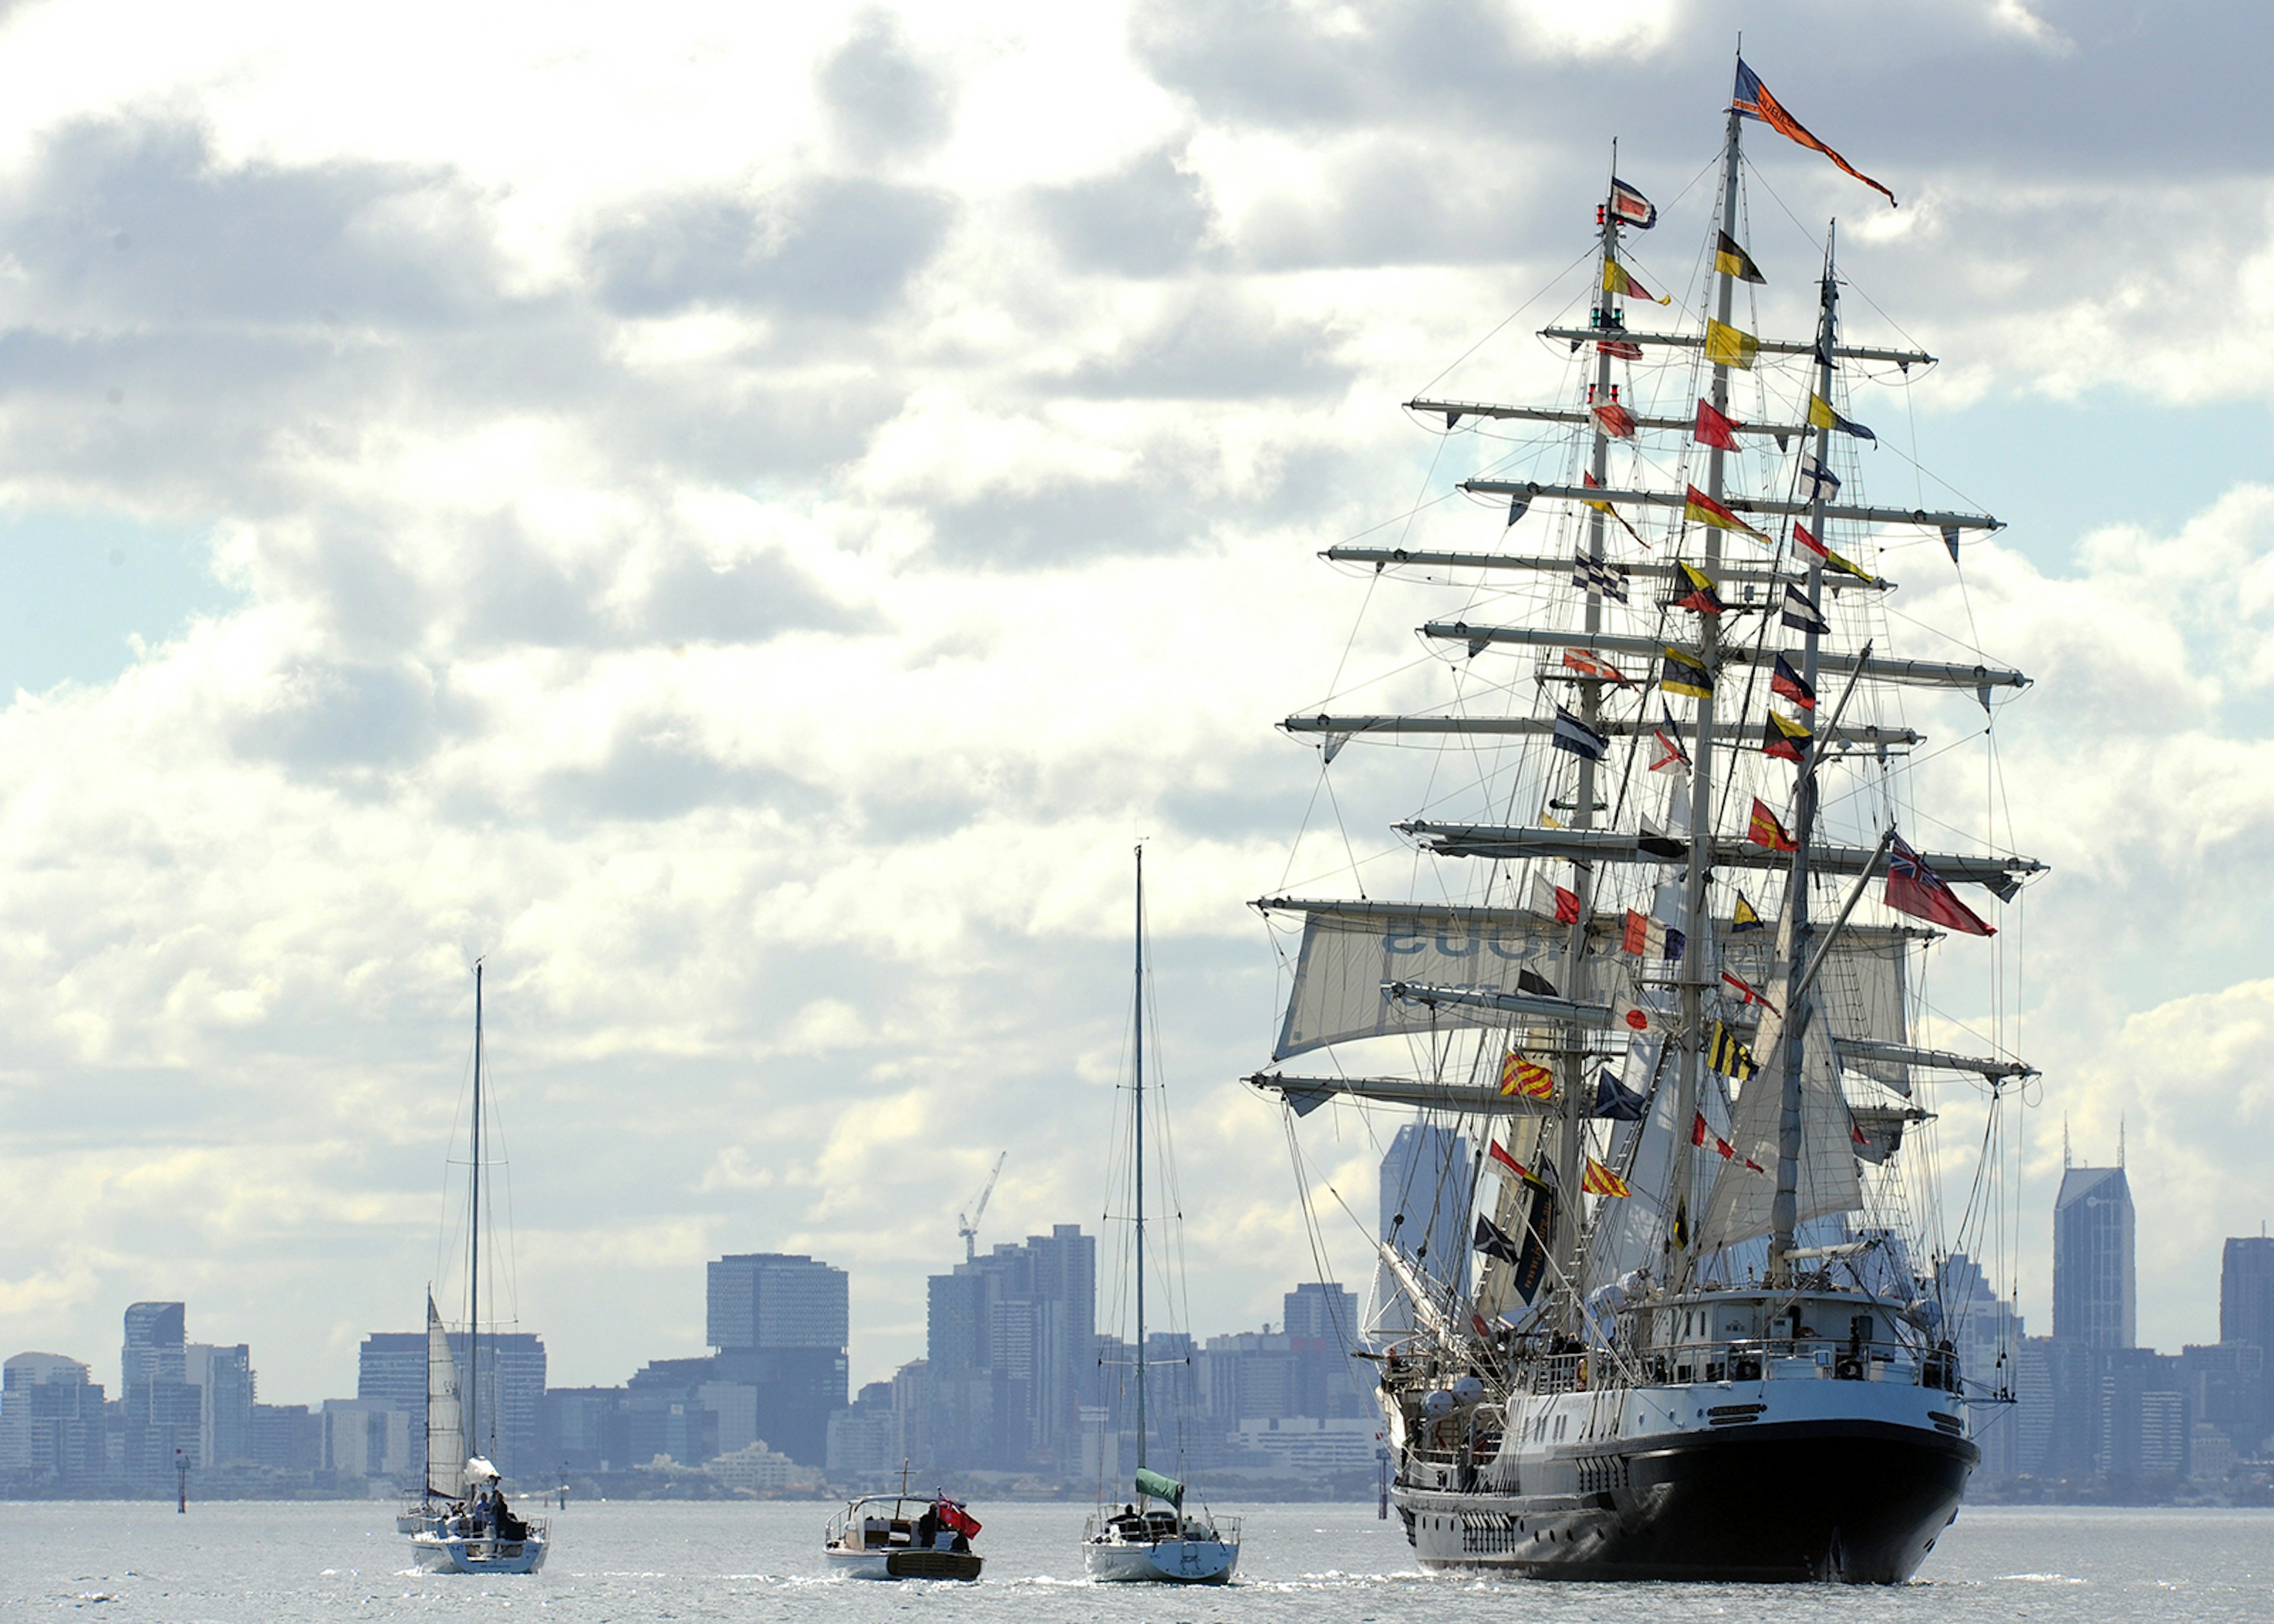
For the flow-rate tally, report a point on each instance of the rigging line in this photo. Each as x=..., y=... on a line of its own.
x=1818, y=243
x=1350, y=851
x=1407, y=517
x=1584, y=255
x=1301, y=829
x=1364, y=604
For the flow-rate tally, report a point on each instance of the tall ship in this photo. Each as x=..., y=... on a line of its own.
x=1681, y=863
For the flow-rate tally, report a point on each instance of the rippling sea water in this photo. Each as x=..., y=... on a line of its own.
x=1302, y=1565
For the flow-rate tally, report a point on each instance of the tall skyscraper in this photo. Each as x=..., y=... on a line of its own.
x=152, y=1351
x=780, y=1323
x=508, y=1391
x=2246, y=1292
x=1009, y=1342
x=159, y=1407
x=2095, y=1293
x=2245, y=1322
x=1426, y=1185
x=224, y=1378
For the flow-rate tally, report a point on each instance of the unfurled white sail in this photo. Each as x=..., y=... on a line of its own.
x=446, y=1434
x=1352, y=950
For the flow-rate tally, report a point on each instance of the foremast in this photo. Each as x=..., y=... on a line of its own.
x=1696, y=921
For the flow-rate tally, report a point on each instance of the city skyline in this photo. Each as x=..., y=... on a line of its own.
x=1013, y=1384
x=613, y=497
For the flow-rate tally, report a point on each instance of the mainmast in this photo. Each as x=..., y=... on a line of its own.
x=1784, y=1214
x=1695, y=916
x=1138, y=1118
x=473, y=1383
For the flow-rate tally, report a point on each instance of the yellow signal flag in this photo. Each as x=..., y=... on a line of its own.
x=1731, y=259
x=1524, y=1078
x=1599, y=1180
x=1728, y=346
x=1728, y=1057
x=1618, y=279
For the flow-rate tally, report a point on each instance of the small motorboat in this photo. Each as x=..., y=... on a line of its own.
x=897, y=1537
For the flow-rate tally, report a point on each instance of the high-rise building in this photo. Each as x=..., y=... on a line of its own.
x=288, y=1438
x=1427, y=1183
x=1987, y=1334
x=2095, y=1293
x=160, y=1411
x=2225, y=1387
x=51, y=1430
x=2035, y=1432
x=368, y=1438
x=391, y=1367
x=588, y=1429
x=504, y=1396
x=2143, y=1419
x=781, y=1323
x=1008, y=1354
x=2246, y=1292
x=152, y=1351
x=224, y=1380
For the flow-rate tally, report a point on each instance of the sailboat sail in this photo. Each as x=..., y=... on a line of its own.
x=446, y=1436
x=1352, y=952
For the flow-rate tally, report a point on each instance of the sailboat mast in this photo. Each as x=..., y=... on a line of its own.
x=1695, y=918
x=474, y=1237
x=1138, y=1117
x=1567, y=1152
x=1784, y=1212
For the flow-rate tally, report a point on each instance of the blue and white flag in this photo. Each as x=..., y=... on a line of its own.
x=1600, y=578
x=1801, y=615
x=1576, y=736
x=1631, y=206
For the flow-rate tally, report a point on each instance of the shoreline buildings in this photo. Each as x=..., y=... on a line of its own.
x=1018, y=1386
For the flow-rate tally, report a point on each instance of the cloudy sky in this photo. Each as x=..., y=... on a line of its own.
x=742, y=516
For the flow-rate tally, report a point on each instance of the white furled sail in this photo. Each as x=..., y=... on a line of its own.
x=446, y=1435
x=1739, y=1207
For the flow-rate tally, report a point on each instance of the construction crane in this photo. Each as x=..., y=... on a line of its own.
x=969, y=1228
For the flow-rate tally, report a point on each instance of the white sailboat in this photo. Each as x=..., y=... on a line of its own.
x=463, y=1523
x=1144, y=1542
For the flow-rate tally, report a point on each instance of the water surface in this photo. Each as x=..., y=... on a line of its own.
x=1302, y=1565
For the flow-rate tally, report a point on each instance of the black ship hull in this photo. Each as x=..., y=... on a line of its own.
x=1859, y=1501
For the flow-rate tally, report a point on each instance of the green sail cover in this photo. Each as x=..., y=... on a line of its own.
x=1161, y=1488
